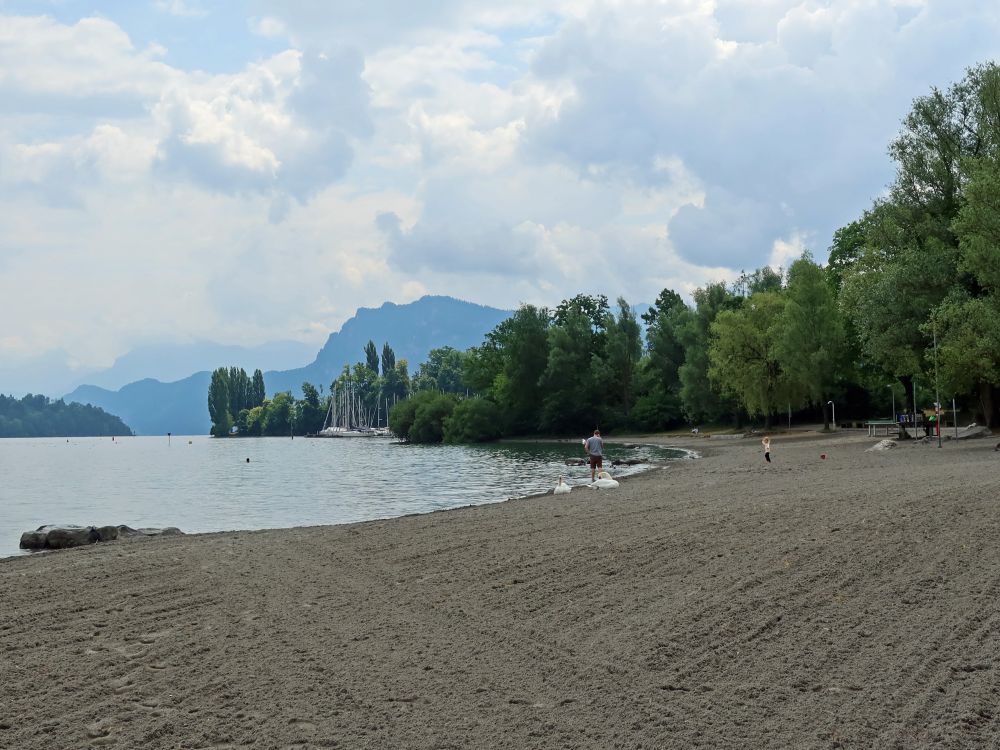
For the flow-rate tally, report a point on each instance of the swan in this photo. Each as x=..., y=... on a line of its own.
x=603, y=482
x=562, y=488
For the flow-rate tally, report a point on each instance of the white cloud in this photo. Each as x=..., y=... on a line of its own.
x=523, y=151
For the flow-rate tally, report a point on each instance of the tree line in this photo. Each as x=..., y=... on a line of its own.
x=40, y=416
x=238, y=403
x=910, y=297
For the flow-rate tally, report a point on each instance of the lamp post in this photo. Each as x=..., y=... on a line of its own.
x=937, y=389
x=833, y=407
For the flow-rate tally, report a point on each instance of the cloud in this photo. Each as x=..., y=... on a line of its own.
x=511, y=152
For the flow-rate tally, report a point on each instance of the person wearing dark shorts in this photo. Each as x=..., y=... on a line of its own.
x=594, y=448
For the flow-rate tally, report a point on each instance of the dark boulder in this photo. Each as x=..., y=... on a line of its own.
x=64, y=536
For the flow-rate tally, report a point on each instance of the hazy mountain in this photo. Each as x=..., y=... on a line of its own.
x=152, y=407
x=412, y=330
x=53, y=372
x=169, y=362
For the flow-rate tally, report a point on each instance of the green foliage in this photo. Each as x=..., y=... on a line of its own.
x=700, y=398
x=568, y=403
x=277, y=417
x=743, y=355
x=615, y=368
x=473, y=420
x=811, y=338
x=441, y=372
x=309, y=412
x=232, y=392
x=402, y=414
x=428, y=420
x=39, y=416
x=420, y=419
x=968, y=337
x=388, y=359
x=371, y=357
x=218, y=402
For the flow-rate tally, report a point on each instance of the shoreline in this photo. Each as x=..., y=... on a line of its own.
x=808, y=603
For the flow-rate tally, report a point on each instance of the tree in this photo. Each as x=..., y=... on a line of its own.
x=277, y=417
x=509, y=365
x=442, y=371
x=388, y=359
x=908, y=264
x=430, y=415
x=811, y=343
x=743, y=355
x=218, y=402
x=658, y=405
x=568, y=403
x=700, y=398
x=371, y=357
x=257, y=391
x=474, y=420
x=420, y=419
x=311, y=414
x=616, y=366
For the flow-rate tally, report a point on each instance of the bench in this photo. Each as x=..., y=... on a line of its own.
x=874, y=425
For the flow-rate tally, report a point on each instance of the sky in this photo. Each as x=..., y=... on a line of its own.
x=179, y=170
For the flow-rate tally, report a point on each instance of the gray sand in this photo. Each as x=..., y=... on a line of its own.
x=720, y=603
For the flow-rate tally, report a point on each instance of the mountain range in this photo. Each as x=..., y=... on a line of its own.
x=153, y=407
x=51, y=373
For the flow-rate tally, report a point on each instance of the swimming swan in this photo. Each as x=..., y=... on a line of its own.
x=562, y=488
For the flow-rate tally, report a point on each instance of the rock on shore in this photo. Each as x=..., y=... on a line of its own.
x=64, y=536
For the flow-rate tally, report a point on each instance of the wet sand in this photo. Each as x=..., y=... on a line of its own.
x=717, y=603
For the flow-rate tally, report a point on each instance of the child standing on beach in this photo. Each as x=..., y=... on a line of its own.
x=766, y=442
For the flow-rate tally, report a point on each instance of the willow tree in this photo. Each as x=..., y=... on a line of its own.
x=744, y=358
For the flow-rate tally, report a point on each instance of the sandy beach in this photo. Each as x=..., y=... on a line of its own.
x=719, y=603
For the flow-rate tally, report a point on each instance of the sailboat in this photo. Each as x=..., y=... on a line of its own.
x=346, y=417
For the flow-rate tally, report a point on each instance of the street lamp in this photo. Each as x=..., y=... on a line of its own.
x=833, y=406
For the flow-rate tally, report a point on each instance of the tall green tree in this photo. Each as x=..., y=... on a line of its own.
x=371, y=356
x=615, y=367
x=388, y=359
x=812, y=341
x=257, y=391
x=218, y=402
x=744, y=358
x=700, y=397
x=569, y=397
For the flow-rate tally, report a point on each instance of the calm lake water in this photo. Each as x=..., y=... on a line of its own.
x=200, y=484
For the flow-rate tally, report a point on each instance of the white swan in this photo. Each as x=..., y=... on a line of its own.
x=562, y=488
x=603, y=482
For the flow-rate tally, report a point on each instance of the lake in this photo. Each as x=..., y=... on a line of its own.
x=201, y=484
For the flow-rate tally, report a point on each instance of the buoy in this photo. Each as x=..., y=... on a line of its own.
x=248, y=460
x=823, y=456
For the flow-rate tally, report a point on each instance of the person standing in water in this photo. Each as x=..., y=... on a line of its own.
x=594, y=447
x=766, y=442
